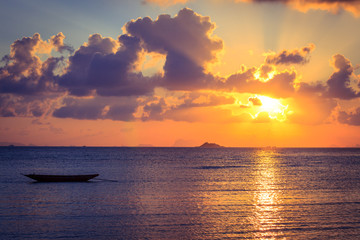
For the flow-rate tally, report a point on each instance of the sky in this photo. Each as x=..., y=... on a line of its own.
x=240, y=73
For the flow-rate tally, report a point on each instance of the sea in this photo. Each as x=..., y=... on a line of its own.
x=181, y=193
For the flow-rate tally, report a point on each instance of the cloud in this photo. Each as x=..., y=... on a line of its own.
x=197, y=99
x=286, y=57
x=255, y=101
x=154, y=110
x=352, y=118
x=27, y=105
x=280, y=85
x=159, y=109
x=24, y=72
x=187, y=42
x=58, y=42
x=105, y=66
x=333, y=6
x=97, y=108
x=339, y=83
x=264, y=71
x=311, y=89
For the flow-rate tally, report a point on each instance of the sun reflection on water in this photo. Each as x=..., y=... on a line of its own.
x=267, y=217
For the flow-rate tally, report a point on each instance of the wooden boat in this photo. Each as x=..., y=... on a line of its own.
x=61, y=178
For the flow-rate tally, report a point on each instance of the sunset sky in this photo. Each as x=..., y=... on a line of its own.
x=241, y=73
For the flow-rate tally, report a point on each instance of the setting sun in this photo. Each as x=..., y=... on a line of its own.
x=273, y=108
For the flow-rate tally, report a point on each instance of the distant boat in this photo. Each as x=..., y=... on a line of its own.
x=61, y=178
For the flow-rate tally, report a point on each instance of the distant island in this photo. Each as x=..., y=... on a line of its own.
x=210, y=145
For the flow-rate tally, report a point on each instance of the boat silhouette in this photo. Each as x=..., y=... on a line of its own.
x=61, y=178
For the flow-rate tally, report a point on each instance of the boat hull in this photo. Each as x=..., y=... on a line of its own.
x=61, y=178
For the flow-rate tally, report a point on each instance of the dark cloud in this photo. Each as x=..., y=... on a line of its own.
x=186, y=41
x=24, y=73
x=183, y=74
x=196, y=99
x=311, y=88
x=154, y=110
x=295, y=56
x=352, y=118
x=27, y=105
x=339, y=83
x=102, y=67
x=98, y=108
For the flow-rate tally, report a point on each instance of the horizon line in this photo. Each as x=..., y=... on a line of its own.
x=139, y=146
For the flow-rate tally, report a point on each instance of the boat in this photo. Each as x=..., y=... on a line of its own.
x=61, y=178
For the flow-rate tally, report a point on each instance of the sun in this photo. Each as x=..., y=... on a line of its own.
x=273, y=107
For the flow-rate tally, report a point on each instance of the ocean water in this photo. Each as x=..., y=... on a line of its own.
x=181, y=193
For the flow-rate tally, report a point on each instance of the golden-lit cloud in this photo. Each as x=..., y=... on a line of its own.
x=352, y=6
x=333, y=6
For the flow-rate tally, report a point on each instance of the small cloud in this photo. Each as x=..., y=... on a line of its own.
x=255, y=101
x=154, y=110
x=58, y=43
x=351, y=118
x=287, y=57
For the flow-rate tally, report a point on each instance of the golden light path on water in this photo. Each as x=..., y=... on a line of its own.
x=244, y=199
x=267, y=218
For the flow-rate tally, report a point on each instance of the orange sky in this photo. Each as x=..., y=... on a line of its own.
x=238, y=73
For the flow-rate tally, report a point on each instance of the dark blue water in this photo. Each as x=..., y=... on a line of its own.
x=181, y=193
